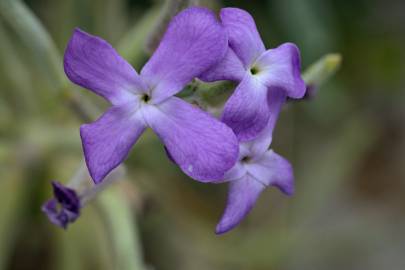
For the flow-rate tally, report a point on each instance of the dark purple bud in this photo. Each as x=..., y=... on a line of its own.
x=64, y=208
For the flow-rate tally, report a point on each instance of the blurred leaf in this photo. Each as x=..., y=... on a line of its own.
x=169, y=9
x=122, y=229
x=330, y=164
x=38, y=41
x=132, y=46
x=84, y=245
x=310, y=24
x=13, y=193
x=14, y=70
x=5, y=117
x=108, y=16
x=36, y=38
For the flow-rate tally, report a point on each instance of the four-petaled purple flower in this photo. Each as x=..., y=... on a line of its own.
x=258, y=73
x=235, y=150
x=64, y=208
x=202, y=146
x=257, y=168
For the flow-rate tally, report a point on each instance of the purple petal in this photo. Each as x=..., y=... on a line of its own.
x=280, y=67
x=230, y=68
x=64, y=208
x=107, y=141
x=92, y=63
x=247, y=111
x=202, y=146
x=59, y=218
x=273, y=169
x=237, y=171
x=276, y=99
x=193, y=42
x=242, y=196
x=244, y=38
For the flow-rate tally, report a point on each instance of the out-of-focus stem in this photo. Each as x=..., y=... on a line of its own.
x=123, y=230
x=91, y=192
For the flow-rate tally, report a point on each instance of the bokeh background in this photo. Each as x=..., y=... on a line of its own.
x=347, y=146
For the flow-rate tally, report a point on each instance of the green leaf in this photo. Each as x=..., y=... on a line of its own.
x=11, y=210
x=133, y=45
x=122, y=229
x=31, y=31
x=15, y=74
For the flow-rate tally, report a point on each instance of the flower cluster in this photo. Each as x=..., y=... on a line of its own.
x=234, y=148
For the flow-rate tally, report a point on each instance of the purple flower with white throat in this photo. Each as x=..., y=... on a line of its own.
x=64, y=208
x=257, y=168
x=202, y=146
x=257, y=70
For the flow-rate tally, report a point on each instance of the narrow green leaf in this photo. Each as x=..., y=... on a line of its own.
x=31, y=31
x=133, y=45
x=84, y=245
x=122, y=229
x=13, y=192
x=15, y=73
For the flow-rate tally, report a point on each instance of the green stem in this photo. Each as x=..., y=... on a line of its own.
x=122, y=229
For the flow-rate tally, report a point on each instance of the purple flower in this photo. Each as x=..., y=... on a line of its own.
x=202, y=146
x=64, y=208
x=257, y=168
x=258, y=72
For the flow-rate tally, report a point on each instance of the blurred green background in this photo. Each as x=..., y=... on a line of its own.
x=347, y=147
